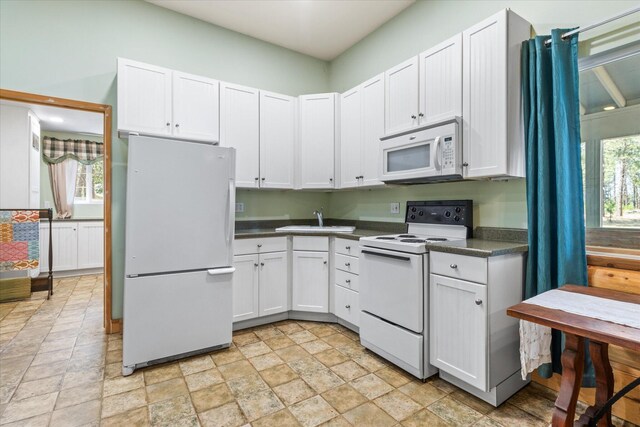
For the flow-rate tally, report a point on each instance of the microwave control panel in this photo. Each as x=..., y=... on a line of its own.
x=448, y=151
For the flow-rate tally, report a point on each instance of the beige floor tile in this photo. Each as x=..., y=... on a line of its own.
x=255, y=349
x=336, y=340
x=236, y=369
x=331, y=357
x=290, y=328
x=266, y=361
x=121, y=384
x=245, y=338
x=394, y=377
x=80, y=394
x=473, y=402
x=442, y=385
x=278, y=375
x=344, y=398
x=282, y=341
x=509, y=415
x=398, y=405
x=78, y=415
x=313, y=411
x=113, y=370
x=30, y=407
x=52, y=356
x=293, y=392
x=307, y=365
x=454, y=412
x=123, y=402
x=257, y=405
x=369, y=415
x=267, y=332
x=425, y=418
x=226, y=356
x=45, y=370
x=166, y=390
x=247, y=385
x=338, y=421
x=37, y=421
x=211, y=397
x=295, y=352
x=169, y=412
x=323, y=331
x=315, y=346
x=302, y=337
x=196, y=364
x=369, y=362
x=37, y=387
x=162, y=373
x=535, y=404
x=282, y=418
x=349, y=370
x=371, y=386
x=487, y=422
x=322, y=380
x=203, y=379
x=83, y=376
x=423, y=393
x=228, y=415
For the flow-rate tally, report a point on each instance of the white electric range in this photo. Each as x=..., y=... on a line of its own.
x=394, y=282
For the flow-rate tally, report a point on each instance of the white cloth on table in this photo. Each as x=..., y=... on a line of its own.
x=535, y=339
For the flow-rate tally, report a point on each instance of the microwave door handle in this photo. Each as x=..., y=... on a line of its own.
x=437, y=153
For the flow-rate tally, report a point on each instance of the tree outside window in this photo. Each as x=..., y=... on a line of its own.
x=90, y=183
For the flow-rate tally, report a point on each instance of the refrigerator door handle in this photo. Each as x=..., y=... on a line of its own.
x=231, y=200
x=219, y=271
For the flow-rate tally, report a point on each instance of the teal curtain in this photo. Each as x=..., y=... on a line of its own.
x=555, y=205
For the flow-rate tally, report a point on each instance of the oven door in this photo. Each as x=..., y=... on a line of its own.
x=392, y=286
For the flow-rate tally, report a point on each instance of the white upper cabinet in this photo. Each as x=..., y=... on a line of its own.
x=157, y=101
x=492, y=118
x=361, y=126
x=317, y=139
x=144, y=98
x=401, y=100
x=441, y=81
x=240, y=129
x=277, y=140
x=195, y=107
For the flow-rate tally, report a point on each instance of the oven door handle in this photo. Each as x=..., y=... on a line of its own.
x=402, y=258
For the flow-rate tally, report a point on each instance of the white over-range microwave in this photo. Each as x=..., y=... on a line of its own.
x=426, y=154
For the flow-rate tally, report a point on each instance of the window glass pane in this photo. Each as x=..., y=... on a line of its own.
x=409, y=158
x=81, y=182
x=98, y=180
x=621, y=182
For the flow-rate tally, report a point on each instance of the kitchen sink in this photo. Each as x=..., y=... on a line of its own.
x=316, y=229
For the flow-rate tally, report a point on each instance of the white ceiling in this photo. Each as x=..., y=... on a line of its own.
x=624, y=75
x=74, y=121
x=319, y=28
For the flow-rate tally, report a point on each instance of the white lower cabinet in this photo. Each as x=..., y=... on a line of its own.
x=347, y=305
x=90, y=245
x=459, y=336
x=76, y=245
x=310, y=281
x=260, y=285
x=346, y=299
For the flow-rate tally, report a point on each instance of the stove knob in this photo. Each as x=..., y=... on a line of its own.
x=421, y=213
x=447, y=214
x=413, y=209
x=413, y=217
x=456, y=218
x=458, y=209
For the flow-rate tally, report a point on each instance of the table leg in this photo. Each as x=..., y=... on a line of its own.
x=604, y=383
x=572, y=366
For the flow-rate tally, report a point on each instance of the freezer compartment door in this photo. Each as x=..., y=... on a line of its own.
x=180, y=206
x=171, y=314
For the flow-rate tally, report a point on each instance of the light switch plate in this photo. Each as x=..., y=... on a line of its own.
x=394, y=208
x=239, y=207
x=47, y=204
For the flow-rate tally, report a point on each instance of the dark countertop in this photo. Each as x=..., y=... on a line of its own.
x=472, y=247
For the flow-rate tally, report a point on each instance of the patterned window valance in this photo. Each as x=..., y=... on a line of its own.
x=86, y=152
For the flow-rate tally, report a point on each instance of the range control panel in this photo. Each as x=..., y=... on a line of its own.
x=445, y=212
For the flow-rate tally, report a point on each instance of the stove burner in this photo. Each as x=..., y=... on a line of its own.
x=407, y=235
x=436, y=239
x=412, y=241
x=385, y=238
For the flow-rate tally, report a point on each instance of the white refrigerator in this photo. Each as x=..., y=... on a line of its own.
x=180, y=218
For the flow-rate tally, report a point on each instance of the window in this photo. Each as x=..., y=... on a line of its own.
x=89, y=183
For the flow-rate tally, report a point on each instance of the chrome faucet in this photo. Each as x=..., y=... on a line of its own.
x=318, y=214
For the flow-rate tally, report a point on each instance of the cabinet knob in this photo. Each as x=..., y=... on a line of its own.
x=168, y=124
x=465, y=164
x=262, y=264
x=330, y=179
x=478, y=301
x=259, y=245
x=264, y=179
x=420, y=115
x=453, y=265
x=256, y=178
x=347, y=264
x=413, y=116
x=324, y=262
x=347, y=306
x=348, y=281
x=348, y=248
x=357, y=177
x=177, y=125
x=255, y=264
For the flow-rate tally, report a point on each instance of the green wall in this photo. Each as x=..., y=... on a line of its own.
x=273, y=204
x=80, y=211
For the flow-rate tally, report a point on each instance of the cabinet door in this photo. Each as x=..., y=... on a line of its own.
x=245, y=287
x=317, y=127
x=484, y=97
x=277, y=139
x=274, y=286
x=350, y=137
x=458, y=329
x=144, y=98
x=441, y=81
x=401, y=109
x=90, y=245
x=44, y=246
x=239, y=128
x=347, y=305
x=65, y=246
x=372, y=130
x=196, y=101
x=310, y=281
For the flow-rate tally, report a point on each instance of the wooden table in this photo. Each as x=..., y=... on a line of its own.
x=600, y=334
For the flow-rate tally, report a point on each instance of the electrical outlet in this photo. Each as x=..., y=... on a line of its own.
x=239, y=207
x=394, y=208
x=47, y=204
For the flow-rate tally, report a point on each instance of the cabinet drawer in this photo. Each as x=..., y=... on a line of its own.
x=347, y=247
x=348, y=280
x=347, y=305
x=304, y=243
x=473, y=269
x=348, y=263
x=260, y=245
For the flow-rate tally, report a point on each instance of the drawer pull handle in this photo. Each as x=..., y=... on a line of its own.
x=347, y=306
x=324, y=262
x=453, y=265
x=255, y=265
x=347, y=264
x=262, y=264
x=259, y=246
x=348, y=281
x=478, y=301
x=348, y=248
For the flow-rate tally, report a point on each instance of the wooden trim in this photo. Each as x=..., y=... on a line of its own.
x=111, y=325
x=614, y=278
x=613, y=251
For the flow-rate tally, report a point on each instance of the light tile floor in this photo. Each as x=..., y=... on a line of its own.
x=58, y=368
